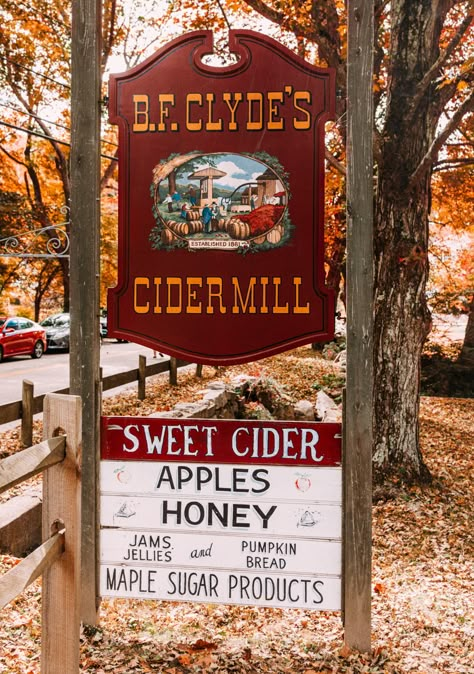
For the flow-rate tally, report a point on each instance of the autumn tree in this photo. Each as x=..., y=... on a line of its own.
x=452, y=253
x=423, y=76
x=35, y=107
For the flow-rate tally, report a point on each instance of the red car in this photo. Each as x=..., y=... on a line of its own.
x=19, y=336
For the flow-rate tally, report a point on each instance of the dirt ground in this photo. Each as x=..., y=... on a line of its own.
x=422, y=582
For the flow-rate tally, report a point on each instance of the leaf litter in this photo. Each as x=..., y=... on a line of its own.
x=422, y=578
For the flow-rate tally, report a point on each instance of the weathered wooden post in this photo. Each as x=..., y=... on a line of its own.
x=27, y=403
x=85, y=223
x=173, y=371
x=358, y=407
x=141, y=377
x=61, y=587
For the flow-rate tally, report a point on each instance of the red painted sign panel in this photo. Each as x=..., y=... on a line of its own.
x=221, y=186
x=276, y=443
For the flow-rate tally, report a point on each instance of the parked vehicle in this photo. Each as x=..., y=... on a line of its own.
x=20, y=336
x=51, y=320
x=58, y=330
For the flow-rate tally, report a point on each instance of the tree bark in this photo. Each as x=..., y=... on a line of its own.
x=401, y=325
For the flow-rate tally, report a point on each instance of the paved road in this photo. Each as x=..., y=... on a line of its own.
x=51, y=372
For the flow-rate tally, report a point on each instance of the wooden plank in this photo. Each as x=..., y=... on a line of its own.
x=61, y=587
x=176, y=514
x=358, y=399
x=131, y=376
x=158, y=368
x=10, y=412
x=22, y=465
x=251, y=588
x=119, y=379
x=151, y=547
x=17, y=579
x=38, y=401
x=199, y=480
x=27, y=405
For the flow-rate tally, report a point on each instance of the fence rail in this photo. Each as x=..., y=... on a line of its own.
x=30, y=404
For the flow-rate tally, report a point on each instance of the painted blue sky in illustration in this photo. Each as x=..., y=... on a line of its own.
x=239, y=169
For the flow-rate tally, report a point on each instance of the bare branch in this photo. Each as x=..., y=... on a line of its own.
x=12, y=157
x=439, y=63
x=111, y=166
x=453, y=164
x=427, y=161
x=331, y=159
x=324, y=33
x=221, y=7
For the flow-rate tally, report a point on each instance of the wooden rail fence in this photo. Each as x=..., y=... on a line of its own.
x=29, y=405
x=58, y=558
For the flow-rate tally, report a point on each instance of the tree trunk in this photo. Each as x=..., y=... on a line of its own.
x=402, y=323
x=402, y=319
x=172, y=181
x=466, y=357
x=64, y=261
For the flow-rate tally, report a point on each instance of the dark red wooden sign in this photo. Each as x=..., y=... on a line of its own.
x=274, y=443
x=221, y=182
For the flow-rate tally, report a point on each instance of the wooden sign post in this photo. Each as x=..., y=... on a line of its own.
x=358, y=403
x=84, y=276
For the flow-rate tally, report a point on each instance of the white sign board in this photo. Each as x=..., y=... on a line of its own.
x=240, y=533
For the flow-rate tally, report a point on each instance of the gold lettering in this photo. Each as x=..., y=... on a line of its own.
x=164, y=100
x=215, y=281
x=215, y=294
x=227, y=98
x=250, y=297
x=255, y=97
x=157, y=283
x=210, y=125
x=302, y=124
x=264, y=283
x=140, y=308
x=277, y=309
x=190, y=99
x=297, y=309
x=274, y=124
x=177, y=308
x=192, y=295
x=140, y=114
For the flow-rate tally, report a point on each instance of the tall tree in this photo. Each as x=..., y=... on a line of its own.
x=423, y=79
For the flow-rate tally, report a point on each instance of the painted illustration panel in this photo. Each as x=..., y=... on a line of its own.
x=225, y=201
